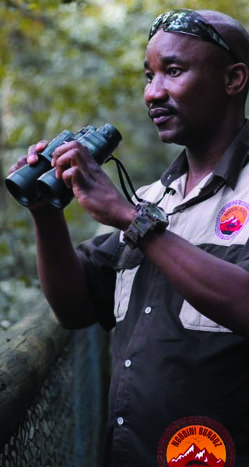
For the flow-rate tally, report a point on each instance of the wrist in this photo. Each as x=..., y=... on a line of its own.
x=127, y=218
x=149, y=218
x=44, y=211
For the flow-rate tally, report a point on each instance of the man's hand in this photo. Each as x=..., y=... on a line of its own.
x=31, y=158
x=91, y=186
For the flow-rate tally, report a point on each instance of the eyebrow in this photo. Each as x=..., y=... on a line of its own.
x=167, y=60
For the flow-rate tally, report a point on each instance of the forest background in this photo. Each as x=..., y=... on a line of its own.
x=65, y=65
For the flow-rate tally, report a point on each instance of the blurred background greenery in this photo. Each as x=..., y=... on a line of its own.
x=64, y=65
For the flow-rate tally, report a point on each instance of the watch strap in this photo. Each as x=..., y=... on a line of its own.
x=150, y=217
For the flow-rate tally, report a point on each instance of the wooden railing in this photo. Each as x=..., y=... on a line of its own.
x=53, y=394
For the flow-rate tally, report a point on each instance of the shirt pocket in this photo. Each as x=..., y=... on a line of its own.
x=124, y=283
x=192, y=319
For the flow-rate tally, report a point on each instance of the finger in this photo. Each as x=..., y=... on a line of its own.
x=32, y=159
x=64, y=162
x=58, y=152
x=74, y=177
x=34, y=150
x=41, y=145
x=20, y=163
x=31, y=150
x=12, y=169
x=61, y=150
x=72, y=158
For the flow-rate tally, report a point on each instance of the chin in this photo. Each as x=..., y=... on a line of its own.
x=172, y=137
x=167, y=136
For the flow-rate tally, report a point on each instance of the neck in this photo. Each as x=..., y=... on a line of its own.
x=204, y=156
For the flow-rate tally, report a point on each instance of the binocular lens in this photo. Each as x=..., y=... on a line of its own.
x=21, y=195
x=54, y=189
x=22, y=184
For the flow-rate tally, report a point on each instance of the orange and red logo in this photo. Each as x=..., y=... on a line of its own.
x=231, y=219
x=196, y=441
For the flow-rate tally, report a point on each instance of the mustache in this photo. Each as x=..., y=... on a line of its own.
x=162, y=108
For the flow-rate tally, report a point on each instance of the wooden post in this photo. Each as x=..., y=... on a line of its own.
x=27, y=352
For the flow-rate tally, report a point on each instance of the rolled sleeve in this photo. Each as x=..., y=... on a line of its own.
x=99, y=256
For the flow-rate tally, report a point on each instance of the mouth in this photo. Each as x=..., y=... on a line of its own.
x=161, y=115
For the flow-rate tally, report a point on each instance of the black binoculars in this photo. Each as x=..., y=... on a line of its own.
x=33, y=182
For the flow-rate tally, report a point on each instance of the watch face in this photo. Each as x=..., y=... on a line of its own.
x=149, y=217
x=156, y=213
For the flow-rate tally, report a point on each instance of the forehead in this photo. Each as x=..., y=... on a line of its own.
x=184, y=46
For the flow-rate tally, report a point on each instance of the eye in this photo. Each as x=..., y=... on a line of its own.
x=174, y=71
x=148, y=76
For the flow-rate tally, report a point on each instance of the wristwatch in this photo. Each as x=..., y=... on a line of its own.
x=150, y=217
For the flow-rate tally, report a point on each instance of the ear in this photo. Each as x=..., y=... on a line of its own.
x=237, y=76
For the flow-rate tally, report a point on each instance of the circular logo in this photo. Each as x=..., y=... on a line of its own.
x=231, y=219
x=196, y=441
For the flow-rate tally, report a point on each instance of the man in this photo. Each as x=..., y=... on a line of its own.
x=181, y=293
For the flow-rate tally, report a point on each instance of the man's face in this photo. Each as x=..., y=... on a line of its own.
x=185, y=90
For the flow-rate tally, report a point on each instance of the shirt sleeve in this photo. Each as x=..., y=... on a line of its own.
x=236, y=254
x=243, y=259
x=99, y=256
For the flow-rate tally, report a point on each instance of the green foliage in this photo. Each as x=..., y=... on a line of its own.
x=66, y=64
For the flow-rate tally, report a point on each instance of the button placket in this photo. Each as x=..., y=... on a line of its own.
x=127, y=363
x=148, y=310
x=120, y=421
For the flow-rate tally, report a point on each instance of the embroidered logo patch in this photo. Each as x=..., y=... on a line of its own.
x=231, y=219
x=196, y=441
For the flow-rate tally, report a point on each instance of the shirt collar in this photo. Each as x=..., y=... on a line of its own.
x=228, y=168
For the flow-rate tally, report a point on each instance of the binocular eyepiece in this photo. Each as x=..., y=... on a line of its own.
x=33, y=182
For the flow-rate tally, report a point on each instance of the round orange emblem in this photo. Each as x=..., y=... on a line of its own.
x=231, y=219
x=196, y=441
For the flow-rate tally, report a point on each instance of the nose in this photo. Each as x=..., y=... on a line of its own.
x=155, y=91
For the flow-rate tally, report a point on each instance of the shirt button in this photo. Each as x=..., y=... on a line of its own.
x=147, y=310
x=120, y=421
x=127, y=363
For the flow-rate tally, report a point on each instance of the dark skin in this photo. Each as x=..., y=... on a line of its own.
x=193, y=102
x=191, y=91
x=61, y=273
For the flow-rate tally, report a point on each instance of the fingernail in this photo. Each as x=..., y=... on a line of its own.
x=32, y=158
x=39, y=146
